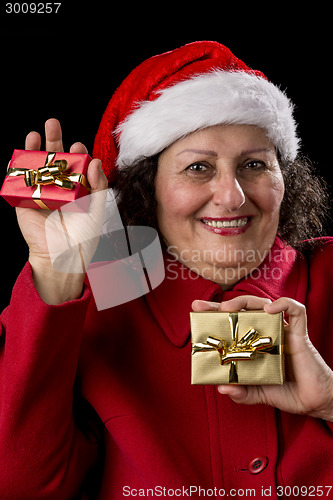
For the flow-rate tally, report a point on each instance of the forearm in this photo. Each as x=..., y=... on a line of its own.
x=54, y=287
x=42, y=453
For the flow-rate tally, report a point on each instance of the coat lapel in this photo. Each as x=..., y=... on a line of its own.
x=282, y=273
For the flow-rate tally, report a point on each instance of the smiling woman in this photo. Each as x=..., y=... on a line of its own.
x=227, y=195
x=304, y=210
x=204, y=149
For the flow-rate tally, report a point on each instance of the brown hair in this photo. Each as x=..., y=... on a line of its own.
x=304, y=210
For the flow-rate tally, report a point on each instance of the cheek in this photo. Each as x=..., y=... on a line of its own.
x=277, y=192
x=268, y=195
x=177, y=200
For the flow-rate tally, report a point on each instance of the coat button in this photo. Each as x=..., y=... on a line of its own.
x=257, y=465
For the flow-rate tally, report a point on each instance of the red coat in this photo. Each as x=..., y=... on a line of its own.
x=159, y=434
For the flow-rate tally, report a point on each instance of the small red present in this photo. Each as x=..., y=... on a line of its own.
x=39, y=179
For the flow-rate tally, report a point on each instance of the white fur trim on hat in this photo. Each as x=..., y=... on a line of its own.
x=205, y=100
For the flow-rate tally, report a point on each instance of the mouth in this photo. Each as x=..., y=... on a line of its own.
x=227, y=226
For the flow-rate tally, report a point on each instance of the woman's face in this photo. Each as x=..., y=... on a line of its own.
x=218, y=193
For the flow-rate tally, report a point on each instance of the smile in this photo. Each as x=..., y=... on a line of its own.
x=226, y=227
x=226, y=223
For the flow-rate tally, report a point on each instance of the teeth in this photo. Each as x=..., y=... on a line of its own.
x=226, y=223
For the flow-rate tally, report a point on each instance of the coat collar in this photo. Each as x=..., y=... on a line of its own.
x=170, y=303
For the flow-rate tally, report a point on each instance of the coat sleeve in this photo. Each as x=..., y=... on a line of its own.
x=42, y=452
x=319, y=300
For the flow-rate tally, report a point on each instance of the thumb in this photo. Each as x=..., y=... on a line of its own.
x=96, y=176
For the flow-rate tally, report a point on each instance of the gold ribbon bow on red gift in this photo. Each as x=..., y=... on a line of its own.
x=53, y=172
x=244, y=349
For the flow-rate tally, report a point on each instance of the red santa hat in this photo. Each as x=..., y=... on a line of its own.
x=193, y=87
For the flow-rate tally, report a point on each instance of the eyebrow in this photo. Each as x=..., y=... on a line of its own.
x=258, y=150
x=200, y=151
x=213, y=153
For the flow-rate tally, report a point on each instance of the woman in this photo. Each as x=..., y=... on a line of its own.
x=205, y=150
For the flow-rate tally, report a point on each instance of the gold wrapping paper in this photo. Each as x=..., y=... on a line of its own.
x=241, y=348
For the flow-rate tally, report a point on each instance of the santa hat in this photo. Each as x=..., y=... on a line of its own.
x=195, y=86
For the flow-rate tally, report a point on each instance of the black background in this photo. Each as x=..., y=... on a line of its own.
x=67, y=65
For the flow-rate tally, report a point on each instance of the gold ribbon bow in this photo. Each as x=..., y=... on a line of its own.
x=244, y=349
x=53, y=172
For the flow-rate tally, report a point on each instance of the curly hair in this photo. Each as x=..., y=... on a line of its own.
x=304, y=211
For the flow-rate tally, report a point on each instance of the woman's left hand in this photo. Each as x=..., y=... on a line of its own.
x=309, y=386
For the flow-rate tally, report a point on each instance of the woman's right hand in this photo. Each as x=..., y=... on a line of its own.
x=56, y=287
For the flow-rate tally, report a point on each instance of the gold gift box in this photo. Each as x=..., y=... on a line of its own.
x=244, y=347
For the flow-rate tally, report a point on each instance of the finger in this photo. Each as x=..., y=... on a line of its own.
x=297, y=336
x=296, y=313
x=53, y=135
x=244, y=302
x=250, y=394
x=79, y=148
x=297, y=339
x=33, y=141
x=237, y=393
x=203, y=305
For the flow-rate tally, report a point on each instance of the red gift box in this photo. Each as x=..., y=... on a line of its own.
x=39, y=179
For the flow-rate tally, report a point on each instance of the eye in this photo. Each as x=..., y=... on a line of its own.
x=254, y=165
x=198, y=168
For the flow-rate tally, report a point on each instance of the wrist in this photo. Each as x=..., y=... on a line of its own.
x=55, y=287
x=325, y=412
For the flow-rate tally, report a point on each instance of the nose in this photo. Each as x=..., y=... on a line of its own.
x=227, y=192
